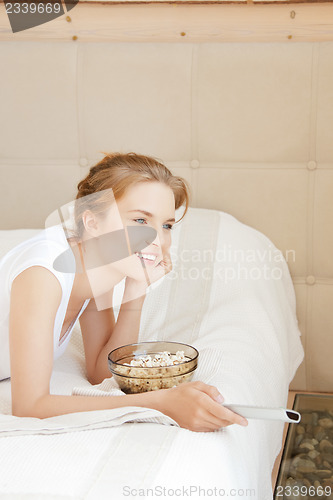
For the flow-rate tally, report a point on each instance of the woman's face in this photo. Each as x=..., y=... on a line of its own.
x=144, y=204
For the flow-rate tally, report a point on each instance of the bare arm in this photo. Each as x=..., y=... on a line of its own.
x=51, y=405
x=35, y=298
x=101, y=334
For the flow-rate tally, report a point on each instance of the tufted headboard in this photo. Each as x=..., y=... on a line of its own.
x=248, y=124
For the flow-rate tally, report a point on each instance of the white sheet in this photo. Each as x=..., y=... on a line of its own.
x=247, y=334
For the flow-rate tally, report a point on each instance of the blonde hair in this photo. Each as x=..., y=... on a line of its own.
x=119, y=171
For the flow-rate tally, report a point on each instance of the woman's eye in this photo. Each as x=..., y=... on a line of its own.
x=142, y=221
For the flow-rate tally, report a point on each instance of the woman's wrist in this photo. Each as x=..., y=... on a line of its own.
x=150, y=399
x=134, y=289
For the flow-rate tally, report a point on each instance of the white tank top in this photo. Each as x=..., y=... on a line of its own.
x=40, y=250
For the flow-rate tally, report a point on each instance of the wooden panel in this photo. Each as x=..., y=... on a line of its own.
x=290, y=403
x=183, y=22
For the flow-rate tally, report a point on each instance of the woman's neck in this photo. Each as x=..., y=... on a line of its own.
x=93, y=283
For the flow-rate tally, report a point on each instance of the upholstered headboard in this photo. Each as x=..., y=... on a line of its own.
x=248, y=124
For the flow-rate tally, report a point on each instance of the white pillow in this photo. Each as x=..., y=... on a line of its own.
x=9, y=238
x=230, y=292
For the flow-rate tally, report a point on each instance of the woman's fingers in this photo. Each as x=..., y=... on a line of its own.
x=215, y=408
x=163, y=268
x=214, y=423
x=211, y=390
x=223, y=413
x=166, y=263
x=208, y=422
x=193, y=406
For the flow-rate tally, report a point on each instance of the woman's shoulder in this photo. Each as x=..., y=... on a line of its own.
x=40, y=250
x=48, y=238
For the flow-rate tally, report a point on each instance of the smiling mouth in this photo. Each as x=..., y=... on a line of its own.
x=149, y=259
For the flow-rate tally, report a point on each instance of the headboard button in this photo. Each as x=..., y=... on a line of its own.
x=312, y=165
x=310, y=279
x=83, y=162
x=195, y=164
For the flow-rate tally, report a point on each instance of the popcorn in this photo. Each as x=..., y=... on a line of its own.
x=166, y=370
x=161, y=359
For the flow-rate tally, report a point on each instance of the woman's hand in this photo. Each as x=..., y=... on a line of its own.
x=152, y=274
x=196, y=406
x=163, y=268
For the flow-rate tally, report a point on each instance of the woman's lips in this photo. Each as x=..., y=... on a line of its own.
x=148, y=262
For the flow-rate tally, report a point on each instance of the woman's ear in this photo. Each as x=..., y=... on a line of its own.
x=90, y=223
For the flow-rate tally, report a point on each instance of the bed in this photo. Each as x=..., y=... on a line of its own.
x=230, y=295
x=249, y=125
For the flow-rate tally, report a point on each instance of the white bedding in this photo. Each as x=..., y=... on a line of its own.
x=248, y=338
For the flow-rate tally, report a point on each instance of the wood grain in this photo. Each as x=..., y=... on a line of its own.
x=183, y=22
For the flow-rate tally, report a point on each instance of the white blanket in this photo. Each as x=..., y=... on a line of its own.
x=239, y=311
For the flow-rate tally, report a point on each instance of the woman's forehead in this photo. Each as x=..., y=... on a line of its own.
x=153, y=197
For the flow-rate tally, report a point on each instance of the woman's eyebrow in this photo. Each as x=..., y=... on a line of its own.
x=148, y=214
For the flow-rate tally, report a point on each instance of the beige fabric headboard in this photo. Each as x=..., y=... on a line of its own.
x=249, y=125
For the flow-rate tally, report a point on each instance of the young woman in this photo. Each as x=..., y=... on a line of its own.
x=44, y=304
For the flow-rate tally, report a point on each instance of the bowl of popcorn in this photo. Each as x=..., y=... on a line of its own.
x=149, y=366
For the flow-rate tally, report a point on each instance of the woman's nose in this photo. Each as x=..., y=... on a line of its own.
x=156, y=241
x=159, y=240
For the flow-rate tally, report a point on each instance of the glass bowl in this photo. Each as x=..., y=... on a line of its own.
x=134, y=379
